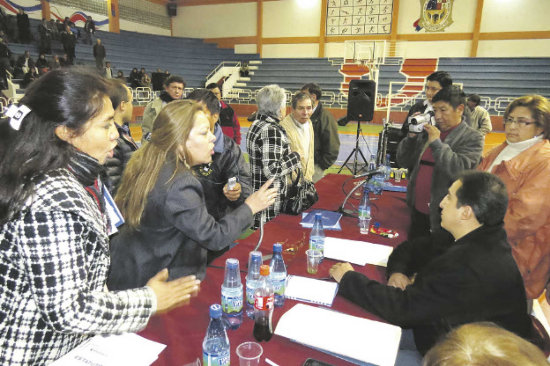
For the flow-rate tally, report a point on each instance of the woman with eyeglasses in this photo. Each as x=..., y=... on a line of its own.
x=523, y=163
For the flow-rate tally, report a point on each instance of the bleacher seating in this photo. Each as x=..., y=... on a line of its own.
x=189, y=57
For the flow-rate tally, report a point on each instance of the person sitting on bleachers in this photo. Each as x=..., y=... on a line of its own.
x=42, y=64
x=269, y=150
x=523, y=163
x=56, y=63
x=163, y=203
x=145, y=81
x=434, y=83
x=107, y=71
x=484, y=343
x=173, y=90
x=477, y=115
x=227, y=162
x=228, y=119
x=121, y=98
x=120, y=76
x=64, y=60
x=23, y=65
x=300, y=133
x=439, y=282
x=134, y=78
x=30, y=76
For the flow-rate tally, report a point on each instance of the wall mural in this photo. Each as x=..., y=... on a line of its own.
x=78, y=16
x=358, y=17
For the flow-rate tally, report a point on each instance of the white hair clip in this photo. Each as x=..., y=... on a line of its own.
x=16, y=114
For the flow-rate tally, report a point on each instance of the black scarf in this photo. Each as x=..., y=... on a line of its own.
x=165, y=97
x=87, y=171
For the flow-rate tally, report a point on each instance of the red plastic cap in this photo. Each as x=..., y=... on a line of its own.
x=264, y=270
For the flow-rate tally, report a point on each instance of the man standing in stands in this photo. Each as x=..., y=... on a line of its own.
x=68, y=39
x=121, y=97
x=89, y=29
x=436, y=283
x=478, y=116
x=99, y=54
x=228, y=119
x=24, y=27
x=434, y=83
x=435, y=156
x=325, y=130
x=300, y=133
x=173, y=90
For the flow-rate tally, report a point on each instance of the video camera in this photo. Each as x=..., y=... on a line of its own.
x=416, y=123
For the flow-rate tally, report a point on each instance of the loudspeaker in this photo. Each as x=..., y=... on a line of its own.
x=172, y=9
x=361, y=100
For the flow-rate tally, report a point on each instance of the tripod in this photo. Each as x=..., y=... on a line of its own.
x=356, y=151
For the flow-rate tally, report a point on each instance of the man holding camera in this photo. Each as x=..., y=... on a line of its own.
x=438, y=146
x=434, y=83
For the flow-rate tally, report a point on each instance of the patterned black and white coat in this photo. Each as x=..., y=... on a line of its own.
x=270, y=157
x=54, y=259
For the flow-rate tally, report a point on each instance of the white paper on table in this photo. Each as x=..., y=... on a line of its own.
x=113, y=350
x=357, y=338
x=357, y=252
x=310, y=290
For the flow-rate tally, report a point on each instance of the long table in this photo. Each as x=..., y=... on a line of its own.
x=183, y=328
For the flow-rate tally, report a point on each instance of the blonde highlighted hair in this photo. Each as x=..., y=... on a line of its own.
x=171, y=129
x=484, y=343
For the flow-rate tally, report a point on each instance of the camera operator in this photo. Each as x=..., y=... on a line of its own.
x=435, y=154
x=434, y=83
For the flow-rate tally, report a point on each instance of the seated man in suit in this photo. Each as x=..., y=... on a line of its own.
x=436, y=283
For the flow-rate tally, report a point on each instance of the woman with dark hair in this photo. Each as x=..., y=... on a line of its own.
x=162, y=201
x=523, y=163
x=53, y=238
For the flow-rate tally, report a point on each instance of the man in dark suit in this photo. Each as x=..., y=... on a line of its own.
x=436, y=283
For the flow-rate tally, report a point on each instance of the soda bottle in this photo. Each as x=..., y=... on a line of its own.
x=263, y=307
x=232, y=294
x=364, y=211
x=277, y=270
x=317, y=235
x=215, y=347
x=253, y=280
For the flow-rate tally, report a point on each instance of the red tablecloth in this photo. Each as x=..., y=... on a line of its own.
x=183, y=329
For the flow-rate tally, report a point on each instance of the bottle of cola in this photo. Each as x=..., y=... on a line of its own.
x=263, y=307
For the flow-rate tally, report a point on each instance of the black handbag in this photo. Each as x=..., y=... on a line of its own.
x=300, y=196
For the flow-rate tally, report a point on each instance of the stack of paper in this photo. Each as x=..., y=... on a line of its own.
x=331, y=220
x=353, y=338
x=113, y=350
x=358, y=252
x=310, y=290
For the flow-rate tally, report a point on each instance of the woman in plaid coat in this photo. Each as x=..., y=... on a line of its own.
x=54, y=248
x=269, y=148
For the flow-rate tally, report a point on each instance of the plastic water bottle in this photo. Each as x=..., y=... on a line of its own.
x=372, y=162
x=317, y=235
x=253, y=280
x=364, y=211
x=263, y=307
x=215, y=347
x=277, y=270
x=232, y=294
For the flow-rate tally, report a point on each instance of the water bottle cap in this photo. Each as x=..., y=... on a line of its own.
x=255, y=255
x=318, y=215
x=231, y=263
x=215, y=311
x=377, y=225
x=264, y=270
x=277, y=248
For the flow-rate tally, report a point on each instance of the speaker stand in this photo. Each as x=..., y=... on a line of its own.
x=354, y=153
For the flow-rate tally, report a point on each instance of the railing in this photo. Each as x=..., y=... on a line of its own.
x=222, y=65
x=330, y=99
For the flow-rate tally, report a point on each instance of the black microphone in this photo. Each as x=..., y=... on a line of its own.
x=369, y=173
